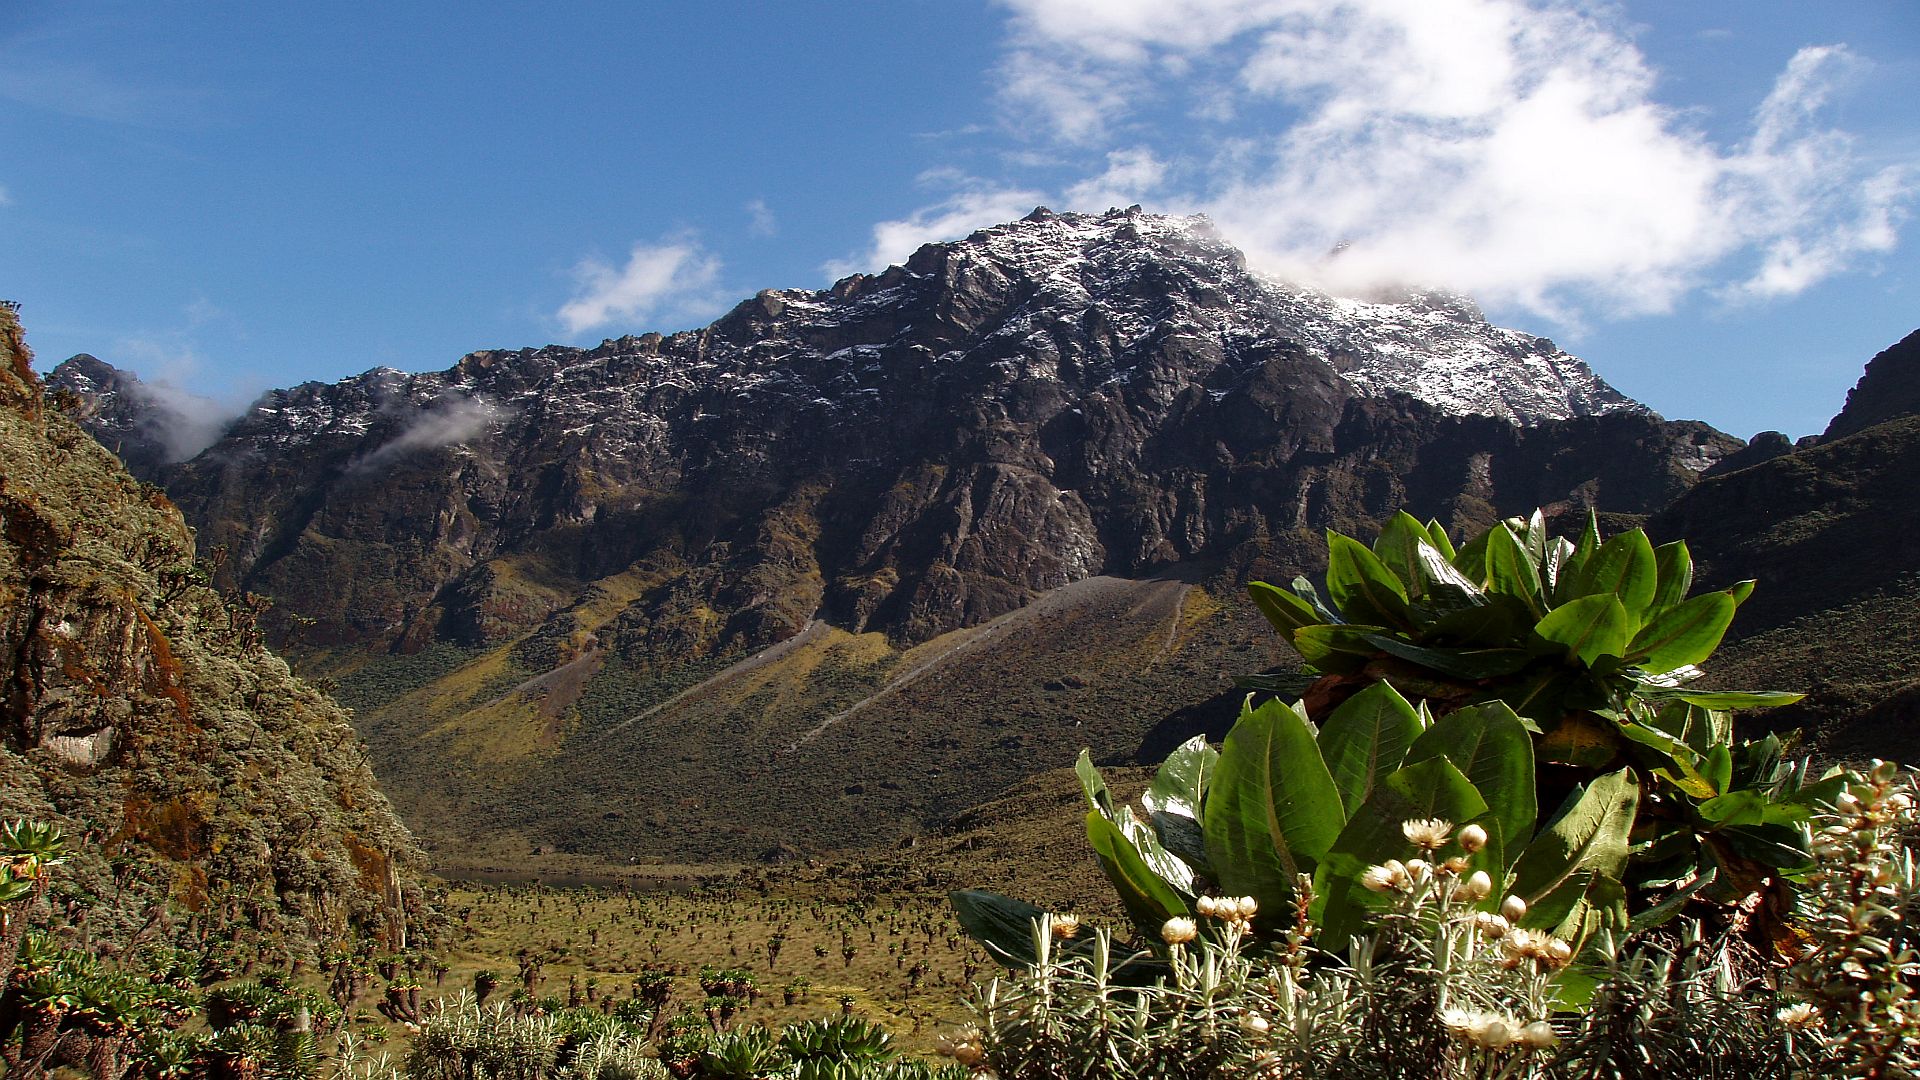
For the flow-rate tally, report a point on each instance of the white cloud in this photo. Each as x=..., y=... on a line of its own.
x=1820, y=206
x=658, y=279
x=448, y=422
x=975, y=206
x=1131, y=176
x=181, y=421
x=6, y=197
x=1515, y=150
x=1077, y=100
x=760, y=220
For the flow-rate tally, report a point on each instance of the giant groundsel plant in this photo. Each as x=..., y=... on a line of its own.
x=1540, y=688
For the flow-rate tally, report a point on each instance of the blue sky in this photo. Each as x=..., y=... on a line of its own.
x=1707, y=201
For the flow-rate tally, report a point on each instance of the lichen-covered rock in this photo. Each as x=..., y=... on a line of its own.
x=142, y=710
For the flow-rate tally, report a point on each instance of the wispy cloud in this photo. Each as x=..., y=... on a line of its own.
x=6, y=197
x=181, y=421
x=760, y=219
x=1512, y=149
x=450, y=421
x=675, y=277
x=971, y=204
x=48, y=69
x=1132, y=175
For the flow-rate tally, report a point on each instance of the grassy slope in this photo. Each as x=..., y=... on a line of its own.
x=829, y=741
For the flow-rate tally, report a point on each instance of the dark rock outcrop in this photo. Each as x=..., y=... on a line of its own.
x=1889, y=388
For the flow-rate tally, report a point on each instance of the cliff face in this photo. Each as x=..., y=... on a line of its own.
x=143, y=712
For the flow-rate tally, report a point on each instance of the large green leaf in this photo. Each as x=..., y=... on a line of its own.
x=1674, y=565
x=1004, y=926
x=1000, y=923
x=1570, y=874
x=1437, y=536
x=1092, y=785
x=1554, y=575
x=1362, y=586
x=1511, y=571
x=1180, y=786
x=1182, y=838
x=1343, y=649
x=1471, y=558
x=1445, y=587
x=1396, y=547
x=1365, y=739
x=1304, y=589
x=1684, y=634
x=1493, y=624
x=1459, y=663
x=1144, y=872
x=1623, y=568
x=1588, y=544
x=1272, y=809
x=1283, y=609
x=1589, y=628
x=1489, y=744
x=1433, y=788
x=1148, y=897
x=1726, y=699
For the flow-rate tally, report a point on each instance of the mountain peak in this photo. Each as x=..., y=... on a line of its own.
x=1140, y=271
x=1889, y=388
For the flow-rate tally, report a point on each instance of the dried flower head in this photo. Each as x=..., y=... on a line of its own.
x=1488, y=1030
x=1513, y=908
x=1538, y=1035
x=1490, y=926
x=1799, y=1017
x=1472, y=839
x=1384, y=878
x=1479, y=885
x=1428, y=834
x=1066, y=926
x=1179, y=930
x=964, y=1046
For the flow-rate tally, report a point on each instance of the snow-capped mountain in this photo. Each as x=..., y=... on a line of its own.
x=1045, y=400
x=896, y=519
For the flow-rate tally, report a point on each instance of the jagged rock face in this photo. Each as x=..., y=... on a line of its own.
x=915, y=451
x=143, y=713
x=1889, y=388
